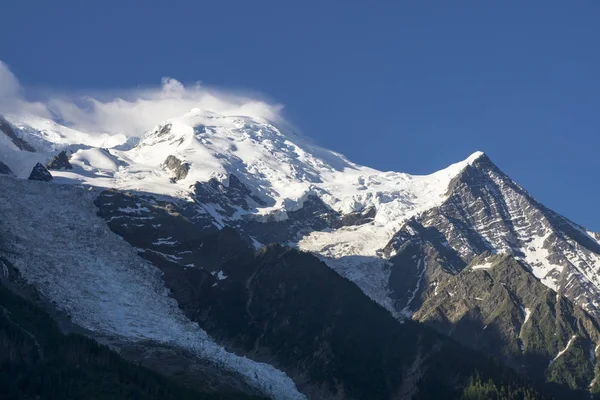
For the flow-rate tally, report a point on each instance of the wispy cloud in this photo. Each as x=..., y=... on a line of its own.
x=9, y=85
x=128, y=111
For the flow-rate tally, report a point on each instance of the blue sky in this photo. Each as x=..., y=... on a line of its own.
x=408, y=86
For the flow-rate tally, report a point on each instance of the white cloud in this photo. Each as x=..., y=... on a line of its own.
x=132, y=111
x=9, y=85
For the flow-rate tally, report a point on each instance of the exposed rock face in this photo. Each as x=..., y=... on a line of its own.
x=419, y=259
x=314, y=215
x=60, y=161
x=4, y=169
x=227, y=197
x=179, y=168
x=358, y=218
x=8, y=130
x=40, y=173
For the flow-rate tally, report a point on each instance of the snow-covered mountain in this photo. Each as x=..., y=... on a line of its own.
x=206, y=173
x=281, y=170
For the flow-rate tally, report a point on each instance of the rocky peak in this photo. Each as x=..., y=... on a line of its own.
x=60, y=161
x=40, y=173
x=475, y=173
x=179, y=168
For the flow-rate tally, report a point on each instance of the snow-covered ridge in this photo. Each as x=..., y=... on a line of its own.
x=281, y=168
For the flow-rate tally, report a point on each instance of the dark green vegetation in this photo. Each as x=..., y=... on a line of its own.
x=37, y=361
x=287, y=308
x=478, y=390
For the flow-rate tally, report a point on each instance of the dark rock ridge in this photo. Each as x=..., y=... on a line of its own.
x=8, y=130
x=314, y=215
x=178, y=167
x=40, y=173
x=357, y=218
x=60, y=161
x=4, y=169
x=228, y=204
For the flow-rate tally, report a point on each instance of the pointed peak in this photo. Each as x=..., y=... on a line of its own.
x=40, y=173
x=475, y=156
x=480, y=160
x=475, y=168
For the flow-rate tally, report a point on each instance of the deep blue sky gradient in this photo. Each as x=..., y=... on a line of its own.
x=408, y=86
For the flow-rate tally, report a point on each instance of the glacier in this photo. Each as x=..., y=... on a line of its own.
x=52, y=235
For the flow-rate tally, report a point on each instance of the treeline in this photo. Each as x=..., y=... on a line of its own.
x=477, y=389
